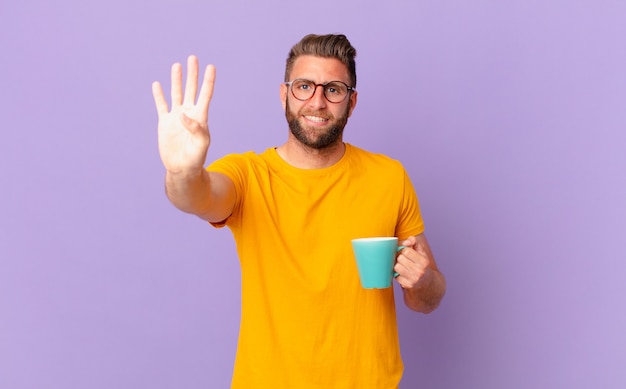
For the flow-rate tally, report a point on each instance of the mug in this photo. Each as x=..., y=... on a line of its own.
x=375, y=258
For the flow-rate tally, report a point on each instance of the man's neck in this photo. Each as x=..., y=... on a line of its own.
x=298, y=155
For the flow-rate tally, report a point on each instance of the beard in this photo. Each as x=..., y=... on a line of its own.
x=320, y=138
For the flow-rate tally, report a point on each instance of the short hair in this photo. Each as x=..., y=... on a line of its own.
x=327, y=46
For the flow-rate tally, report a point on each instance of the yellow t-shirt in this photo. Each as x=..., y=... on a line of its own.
x=306, y=322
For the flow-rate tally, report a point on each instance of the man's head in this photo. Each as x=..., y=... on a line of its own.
x=316, y=111
x=325, y=46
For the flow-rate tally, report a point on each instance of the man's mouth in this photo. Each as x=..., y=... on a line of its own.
x=315, y=119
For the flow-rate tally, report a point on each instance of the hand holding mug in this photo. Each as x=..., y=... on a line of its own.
x=412, y=264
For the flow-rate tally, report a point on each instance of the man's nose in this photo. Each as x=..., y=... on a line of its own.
x=318, y=99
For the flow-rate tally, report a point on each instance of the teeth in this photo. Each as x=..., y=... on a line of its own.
x=315, y=119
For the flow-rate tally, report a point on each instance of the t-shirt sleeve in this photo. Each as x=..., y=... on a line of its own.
x=234, y=167
x=410, y=217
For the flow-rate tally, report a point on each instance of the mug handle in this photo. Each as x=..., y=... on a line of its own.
x=395, y=274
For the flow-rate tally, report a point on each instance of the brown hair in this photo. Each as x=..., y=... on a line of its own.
x=326, y=46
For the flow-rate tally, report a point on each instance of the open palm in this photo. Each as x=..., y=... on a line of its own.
x=184, y=136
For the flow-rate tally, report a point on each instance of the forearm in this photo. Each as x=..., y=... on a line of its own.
x=426, y=295
x=189, y=191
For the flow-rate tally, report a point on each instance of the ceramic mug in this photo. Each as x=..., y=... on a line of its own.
x=375, y=258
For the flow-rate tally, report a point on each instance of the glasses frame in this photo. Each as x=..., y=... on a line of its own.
x=290, y=85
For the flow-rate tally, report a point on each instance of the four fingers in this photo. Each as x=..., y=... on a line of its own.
x=188, y=97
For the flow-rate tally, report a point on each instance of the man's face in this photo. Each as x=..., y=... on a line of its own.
x=316, y=122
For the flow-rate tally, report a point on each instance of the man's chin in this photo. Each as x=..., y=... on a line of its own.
x=318, y=140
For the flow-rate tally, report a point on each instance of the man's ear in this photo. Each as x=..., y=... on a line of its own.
x=283, y=95
x=352, y=102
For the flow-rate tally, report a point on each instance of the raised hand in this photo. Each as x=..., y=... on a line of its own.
x=184, y=136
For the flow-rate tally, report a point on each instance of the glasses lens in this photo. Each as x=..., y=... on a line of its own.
x=302, y=89
x=336, y=91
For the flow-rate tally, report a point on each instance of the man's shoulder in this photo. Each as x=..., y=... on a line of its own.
x=244, y=158
x=367, y=156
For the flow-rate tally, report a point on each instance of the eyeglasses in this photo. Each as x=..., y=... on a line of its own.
x=334, y=91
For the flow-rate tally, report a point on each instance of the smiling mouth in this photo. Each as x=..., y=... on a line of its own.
x=316, y=119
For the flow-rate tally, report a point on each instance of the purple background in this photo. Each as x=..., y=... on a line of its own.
x=509, y=116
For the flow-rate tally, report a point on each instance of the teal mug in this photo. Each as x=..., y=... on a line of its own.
x=375, y=259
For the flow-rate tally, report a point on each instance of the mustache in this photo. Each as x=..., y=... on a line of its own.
x=318, y=113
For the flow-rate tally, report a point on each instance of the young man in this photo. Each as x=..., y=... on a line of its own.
x=293, y=210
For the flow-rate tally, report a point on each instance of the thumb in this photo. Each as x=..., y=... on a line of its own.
x=190, y=124
x=409, y=242
x=187, y=121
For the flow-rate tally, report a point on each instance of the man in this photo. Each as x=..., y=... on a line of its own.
x=306, y=322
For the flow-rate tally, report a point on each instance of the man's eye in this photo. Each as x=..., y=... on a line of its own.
x=335, y=89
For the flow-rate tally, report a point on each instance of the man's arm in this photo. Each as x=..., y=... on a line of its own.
x=209, y=195
x=423, y=285
x=184, y=141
